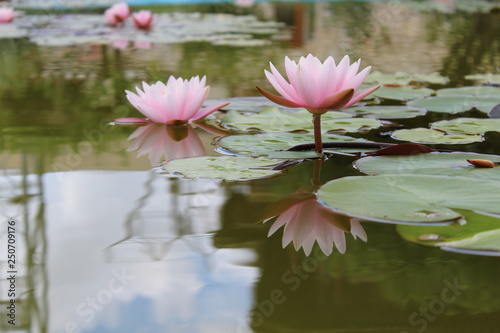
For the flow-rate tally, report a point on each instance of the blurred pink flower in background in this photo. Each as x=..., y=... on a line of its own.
x=143, y=19
x=7, y=14
x=175, y=103
x=164, y=143
x=144, y=45
x=120, y=44
x=317, y=86
x=244, y=3
x=117, y=13
x=307, y=221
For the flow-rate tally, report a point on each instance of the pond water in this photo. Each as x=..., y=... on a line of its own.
x=104, y=242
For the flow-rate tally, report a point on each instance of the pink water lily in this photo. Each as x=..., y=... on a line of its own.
x=7, y=14
x=143, y=19
x=117, y=13
x=175, y=103
x=318, y=87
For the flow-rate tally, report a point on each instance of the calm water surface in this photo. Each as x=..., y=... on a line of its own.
x=105, y=244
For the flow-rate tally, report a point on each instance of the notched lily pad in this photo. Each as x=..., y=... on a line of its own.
x=445, y=164
x=480, y=234
x=468, y=125
x=426, y=135
x=222, y=167
x=402, y=93
x=408, y=198
x=387, y=112
x=275, y=145
x=456, y=104
x=246, y=104
x=272, y=119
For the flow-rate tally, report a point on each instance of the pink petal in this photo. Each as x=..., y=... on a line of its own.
x=278, y=100
x=360, y=95
x=132, y=120
x=208, y=110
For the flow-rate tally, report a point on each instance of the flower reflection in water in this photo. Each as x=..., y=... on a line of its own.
x=165, y=143
x=307, y=221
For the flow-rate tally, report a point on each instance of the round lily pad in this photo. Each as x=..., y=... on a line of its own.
x=402, y=93
x=468, y=125
x=455, y=104
x=387, y=111
x=272, y=119
x=446, y=164
x=246, y=104
x=477, y=234
x=472, y=91
x=407, y=198
x=426, y=135
x=222, y=167
x=275, y=145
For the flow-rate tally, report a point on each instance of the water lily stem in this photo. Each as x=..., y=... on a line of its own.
x=318, y=143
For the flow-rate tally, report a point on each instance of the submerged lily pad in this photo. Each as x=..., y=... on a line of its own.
x=222, y=167
x=471, y=91
x=272, y=119
x=480, y=234
x=446, y=164
x=274, y=145
x=402, y=93
x=455, y=104
x=468, y=125
x=426, y=135
x=387, y=111
x=400, y=198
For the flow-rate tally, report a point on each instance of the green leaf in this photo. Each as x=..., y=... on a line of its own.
x=246, y=104
x=468, y=125
x=445, y=164
x=406, y=198
x=402, y=93
x=455, y=104
x=274, y=145
x=222, y=167
x=404, y=79
x=387, y=112
x=470, y=91
x=486, y=78
x=272, y=119
x=426, y=135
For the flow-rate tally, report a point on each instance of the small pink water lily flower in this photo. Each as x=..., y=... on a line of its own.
x=117, y=13
x=175, y=103
x=7, y=14
x=143, y=19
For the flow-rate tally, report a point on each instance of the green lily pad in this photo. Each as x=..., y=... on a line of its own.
x=426, y=135
x=455, y=104
x=445, y=164
x=246, y=104
x=222, y=167
x=480, y=234
x=387, y=112
x=402, y=93
x=272, y=119
x=404, y=79
x=468, y=125
x=486, y=78
x=274, y=145
x=471, y=91
x=407, y=198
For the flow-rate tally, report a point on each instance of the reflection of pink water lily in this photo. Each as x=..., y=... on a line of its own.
x=117, y=13
x=120, y=44
x=143, y=19
x=144, y=45
x=175, y=103
x=165, y=143
x=6, y=14
x=307, y=221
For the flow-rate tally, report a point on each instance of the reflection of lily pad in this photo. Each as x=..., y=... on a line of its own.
x=480, y=234
x=455, y=104
x=222, y=167
x=472, y=91
x=446, y=164
x=402, y=93
x=426, y=135
x=387, y=112
x=405, y=79
x=275, y=120
x=468, y=125
x=410, y=198
x=487, y=78
x=274, y=145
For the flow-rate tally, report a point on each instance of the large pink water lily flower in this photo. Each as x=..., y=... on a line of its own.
x=117, y=13
x=7, y=14
x=175, y=103
x=317, y=86
x=143, y=19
